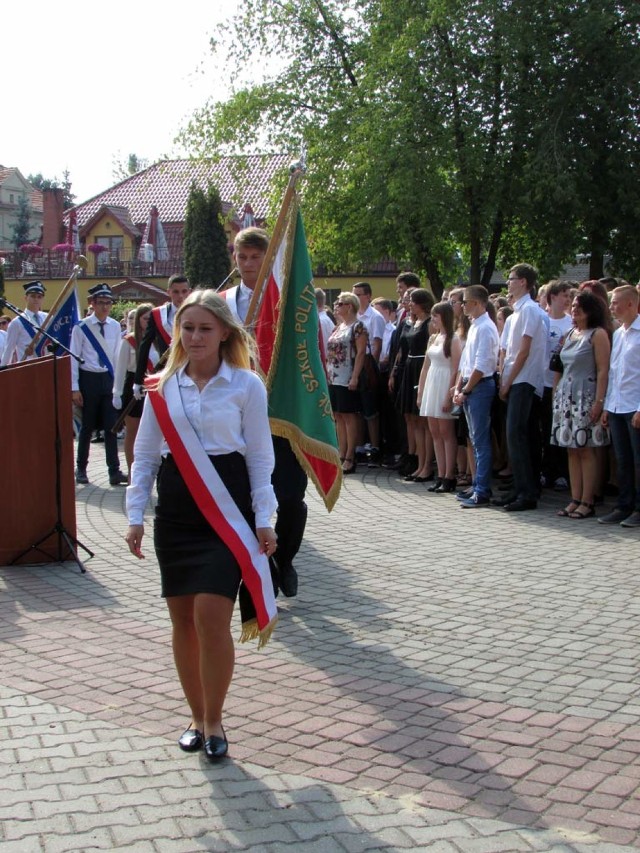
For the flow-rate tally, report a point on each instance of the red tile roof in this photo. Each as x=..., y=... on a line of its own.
x=167, y=184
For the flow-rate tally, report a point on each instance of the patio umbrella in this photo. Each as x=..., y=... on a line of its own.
x=248, y=217
x=73, y=237
x=154, y=243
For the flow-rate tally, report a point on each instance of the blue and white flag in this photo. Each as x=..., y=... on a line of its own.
x=59, y=324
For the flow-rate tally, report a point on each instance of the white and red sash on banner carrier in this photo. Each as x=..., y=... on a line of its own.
x=153, y=353
x=216, y=504
x=163, y=327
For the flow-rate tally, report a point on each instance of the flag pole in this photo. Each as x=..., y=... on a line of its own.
x=81, y=264
x=295, y=169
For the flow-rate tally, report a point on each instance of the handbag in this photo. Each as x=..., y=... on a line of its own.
x=555, y=363
x=370, y=373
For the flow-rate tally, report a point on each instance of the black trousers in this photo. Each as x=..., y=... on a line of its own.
x=289, y=483
x=97, y=413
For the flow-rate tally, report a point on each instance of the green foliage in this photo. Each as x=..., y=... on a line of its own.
x=440, y=128
x=121, y=308
x=206, y=254
x=123, y=168
x=42, y=183
x=21, y=227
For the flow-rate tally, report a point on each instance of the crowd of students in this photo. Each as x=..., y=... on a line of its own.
x=495, y=397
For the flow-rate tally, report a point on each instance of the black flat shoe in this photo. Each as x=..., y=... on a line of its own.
x=216, y=747
x=436, y=485
x=191, y=740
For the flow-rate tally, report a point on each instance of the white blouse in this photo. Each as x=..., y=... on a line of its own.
x=228, y=415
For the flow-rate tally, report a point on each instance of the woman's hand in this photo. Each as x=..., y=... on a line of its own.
x=267, y=540
x=134, y=539
x=448, y=404
x=595, y=413
x=353, y=384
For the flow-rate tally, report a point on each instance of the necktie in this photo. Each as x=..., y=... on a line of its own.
x=101, y=323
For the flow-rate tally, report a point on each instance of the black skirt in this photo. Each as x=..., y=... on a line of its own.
x=127, y=394
x=344, y=401
x=191, y=555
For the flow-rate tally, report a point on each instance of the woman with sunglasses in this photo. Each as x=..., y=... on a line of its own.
x=346, y=351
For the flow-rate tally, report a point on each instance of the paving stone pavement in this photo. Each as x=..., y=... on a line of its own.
x=446, y=680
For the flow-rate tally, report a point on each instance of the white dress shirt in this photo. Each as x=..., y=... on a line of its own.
x=374, y=323
x=81, y=346
x=623, y=393
x=126, y=362
x=228, y=415
x=3, y=341
x=326, y=327
x=528, y=322
x=481, y=349
x=18, y=339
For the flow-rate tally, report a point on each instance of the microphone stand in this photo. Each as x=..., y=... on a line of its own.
x=58, y=529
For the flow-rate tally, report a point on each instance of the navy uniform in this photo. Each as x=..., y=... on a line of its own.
x=96, y=341
x=20, y=332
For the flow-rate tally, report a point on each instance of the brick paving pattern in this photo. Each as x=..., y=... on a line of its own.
x=445, y=680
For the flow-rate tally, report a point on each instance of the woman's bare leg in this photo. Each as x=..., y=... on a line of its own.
x=217, y=656
x=186, y=654
x=130, y=431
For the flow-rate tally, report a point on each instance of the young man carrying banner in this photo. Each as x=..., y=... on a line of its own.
x=96, y=340
x=289, y=480
x=287, y=334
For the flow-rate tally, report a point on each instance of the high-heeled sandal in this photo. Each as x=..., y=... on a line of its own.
x=351, y=469
x=591, y=511
x=566, y=512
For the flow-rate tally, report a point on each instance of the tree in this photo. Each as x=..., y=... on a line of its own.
x=21, y=227
x=42, y=183
x=124, y=169
x=206, y=255
x=427, y=123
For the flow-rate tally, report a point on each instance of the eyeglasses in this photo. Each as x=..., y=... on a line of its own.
x=517, y=278
x=341, y=304
x=103, y=302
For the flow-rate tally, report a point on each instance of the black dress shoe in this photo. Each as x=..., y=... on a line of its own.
x=81, y=477
x=118, y=479
x=216, y=747
x=520, y=505
x=288, y=580
x=507, y=499
x=191, y=740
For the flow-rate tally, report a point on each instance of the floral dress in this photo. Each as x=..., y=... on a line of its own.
x=575, y=395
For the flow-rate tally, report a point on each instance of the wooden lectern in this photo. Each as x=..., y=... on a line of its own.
x=29, y=488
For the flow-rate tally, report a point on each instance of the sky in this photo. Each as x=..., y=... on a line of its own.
x=86, y=85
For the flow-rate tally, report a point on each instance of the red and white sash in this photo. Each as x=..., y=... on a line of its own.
x=164, y=328
x=153, y=353
x=216, y=504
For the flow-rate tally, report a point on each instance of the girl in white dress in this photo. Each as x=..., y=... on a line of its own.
x=437, y=378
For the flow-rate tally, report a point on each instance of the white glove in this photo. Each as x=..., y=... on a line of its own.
x=137, y=392
x=117, y=401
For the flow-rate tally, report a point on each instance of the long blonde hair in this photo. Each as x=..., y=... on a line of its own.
x=237, y=350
